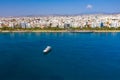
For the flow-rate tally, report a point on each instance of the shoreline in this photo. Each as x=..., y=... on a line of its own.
x=94, y=31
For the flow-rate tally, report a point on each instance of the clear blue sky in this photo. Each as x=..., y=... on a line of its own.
x=36, y=7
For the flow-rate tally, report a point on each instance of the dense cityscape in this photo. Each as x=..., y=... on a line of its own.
x=60, y=40
x=99, y=20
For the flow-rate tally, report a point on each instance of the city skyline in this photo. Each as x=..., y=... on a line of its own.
x=48, y=7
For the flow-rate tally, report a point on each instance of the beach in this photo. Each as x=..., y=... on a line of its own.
x=5, y=31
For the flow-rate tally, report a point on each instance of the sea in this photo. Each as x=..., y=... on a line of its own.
x=74, y=56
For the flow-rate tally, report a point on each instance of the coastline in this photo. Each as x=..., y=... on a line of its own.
x=106, y=31
x=96, y=31
x=5, y=31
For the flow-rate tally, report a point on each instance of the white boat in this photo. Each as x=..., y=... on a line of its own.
x=47, y=49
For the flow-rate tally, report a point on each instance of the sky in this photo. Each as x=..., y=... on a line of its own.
x=46, y=7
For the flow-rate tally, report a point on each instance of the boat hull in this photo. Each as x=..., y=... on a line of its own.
x=47, y=50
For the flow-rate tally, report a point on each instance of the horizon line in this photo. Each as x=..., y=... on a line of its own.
x=33, y=15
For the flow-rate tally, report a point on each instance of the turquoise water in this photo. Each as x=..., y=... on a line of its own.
x=74, y=56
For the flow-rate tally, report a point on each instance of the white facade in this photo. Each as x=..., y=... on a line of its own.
x=60, y=21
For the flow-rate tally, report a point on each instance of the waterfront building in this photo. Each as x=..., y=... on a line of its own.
x=0, y=24
x=62, y=21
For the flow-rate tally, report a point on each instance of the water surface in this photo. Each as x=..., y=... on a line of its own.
x=74, y=56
